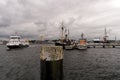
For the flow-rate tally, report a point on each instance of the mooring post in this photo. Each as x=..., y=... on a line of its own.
x=103, y=46
x=113, y=46
x=51, y=59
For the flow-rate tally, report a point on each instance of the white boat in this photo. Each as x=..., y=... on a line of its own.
x=16, y=42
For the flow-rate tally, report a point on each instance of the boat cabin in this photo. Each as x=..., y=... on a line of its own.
x=82, y=41
x=15, y=37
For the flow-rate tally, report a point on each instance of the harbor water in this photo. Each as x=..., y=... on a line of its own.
x=90, y=64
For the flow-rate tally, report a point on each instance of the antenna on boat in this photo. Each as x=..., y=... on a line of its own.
x=82, y=35
x=62, y=28
x=65, y=32
x=105, y=37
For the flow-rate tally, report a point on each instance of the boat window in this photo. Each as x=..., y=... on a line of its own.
x=15, y=37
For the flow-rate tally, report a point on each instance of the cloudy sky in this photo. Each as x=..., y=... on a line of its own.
x=35, y=18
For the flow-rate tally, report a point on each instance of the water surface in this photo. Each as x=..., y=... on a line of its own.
x=91, y=64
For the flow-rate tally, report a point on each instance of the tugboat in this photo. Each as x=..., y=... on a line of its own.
x=82, y=45
x=16, y=42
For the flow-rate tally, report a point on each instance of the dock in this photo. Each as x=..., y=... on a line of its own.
x=103, y=45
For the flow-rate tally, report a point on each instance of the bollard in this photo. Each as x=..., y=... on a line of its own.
x=113, y=46
x=103, y=46
x=51, y=59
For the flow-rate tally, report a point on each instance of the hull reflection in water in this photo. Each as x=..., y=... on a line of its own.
x=52, y=70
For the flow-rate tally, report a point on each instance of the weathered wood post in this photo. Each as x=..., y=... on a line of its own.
x=103, y=46
x=113, y=46
x=51, y=58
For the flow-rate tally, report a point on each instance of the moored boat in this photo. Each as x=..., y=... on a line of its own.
x=82, y=44
x=70, y=44
x=65, y=42
x=16, y=42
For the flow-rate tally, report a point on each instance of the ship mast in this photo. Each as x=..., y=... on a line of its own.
x=62, y=27
x=65, y=32
x=68, y=33
x=82, y=36
x=105, y=37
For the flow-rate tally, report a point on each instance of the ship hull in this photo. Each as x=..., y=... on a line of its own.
x=82, y=47
x=16, y=46
x=69, y=47
x=59, y=44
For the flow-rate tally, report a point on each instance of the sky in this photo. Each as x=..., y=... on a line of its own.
x=34, y=18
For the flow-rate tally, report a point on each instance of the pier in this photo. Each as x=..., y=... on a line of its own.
x=103, y=45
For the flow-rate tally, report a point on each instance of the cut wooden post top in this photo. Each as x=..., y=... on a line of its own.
x=51, y=53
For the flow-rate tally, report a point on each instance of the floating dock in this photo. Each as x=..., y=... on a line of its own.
x=103, y=45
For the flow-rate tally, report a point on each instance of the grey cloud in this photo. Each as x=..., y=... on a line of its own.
x=5, y=22
x=33, y=18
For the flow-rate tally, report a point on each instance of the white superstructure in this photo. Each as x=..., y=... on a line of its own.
x=16, y=42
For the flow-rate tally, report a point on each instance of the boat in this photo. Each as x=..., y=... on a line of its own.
x=62, y=40
x=16, y=42
x=82, y=44
x=98, y=41
x=70, y=44
x=65, y=42
x=60, y=43
x=25, y=43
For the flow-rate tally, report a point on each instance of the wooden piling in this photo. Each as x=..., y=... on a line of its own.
x=51, y=58
x=103, y=46
x=113, y=46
